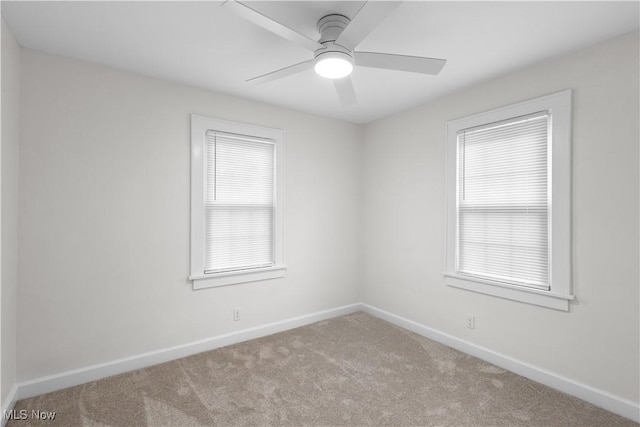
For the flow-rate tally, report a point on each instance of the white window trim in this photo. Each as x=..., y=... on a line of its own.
x=559, y=295
x=199, y=127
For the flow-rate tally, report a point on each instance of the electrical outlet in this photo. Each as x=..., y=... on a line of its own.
x=236, y=314
x=471, y=321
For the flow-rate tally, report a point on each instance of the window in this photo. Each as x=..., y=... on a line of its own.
x=508, y=202
x=236, y=203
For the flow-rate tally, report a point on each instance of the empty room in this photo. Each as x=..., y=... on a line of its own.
x=335, y=213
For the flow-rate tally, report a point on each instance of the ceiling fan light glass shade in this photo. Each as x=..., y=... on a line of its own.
x=334, y=65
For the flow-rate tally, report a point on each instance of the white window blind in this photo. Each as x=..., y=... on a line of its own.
x=239, y=202
x=503, y=201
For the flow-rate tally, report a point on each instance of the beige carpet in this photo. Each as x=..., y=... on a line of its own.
x=351, y=370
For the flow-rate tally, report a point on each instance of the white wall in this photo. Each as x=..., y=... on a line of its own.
x=597, y=342
x=9, y=155
x=104, y=217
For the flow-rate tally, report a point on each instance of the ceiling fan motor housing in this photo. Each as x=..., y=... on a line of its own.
x=330, y=27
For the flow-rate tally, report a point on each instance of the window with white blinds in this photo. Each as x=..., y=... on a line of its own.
x=237, y=190
x=503, y=201
x=508, y=188
x=240, y=202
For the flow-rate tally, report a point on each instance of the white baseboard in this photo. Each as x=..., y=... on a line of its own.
x=603, y=399
x=8, y=404
x=87, y=374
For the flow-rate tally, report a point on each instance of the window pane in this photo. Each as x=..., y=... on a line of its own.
x=239, y=202
x=503, y=202
x=238, y=237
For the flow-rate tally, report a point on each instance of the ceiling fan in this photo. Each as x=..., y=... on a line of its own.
x=333, y=54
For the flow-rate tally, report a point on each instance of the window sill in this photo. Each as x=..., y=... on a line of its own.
x=213, y=280
x=517, y=293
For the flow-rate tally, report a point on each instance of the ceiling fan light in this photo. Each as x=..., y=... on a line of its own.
x=333, y=65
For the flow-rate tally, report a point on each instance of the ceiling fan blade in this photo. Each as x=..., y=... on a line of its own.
x=283, y=72
x=269, y=24
x=413, y=64
x=367, y=18
x=345, y=90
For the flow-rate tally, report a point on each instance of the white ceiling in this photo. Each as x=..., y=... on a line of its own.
x=205, y=45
